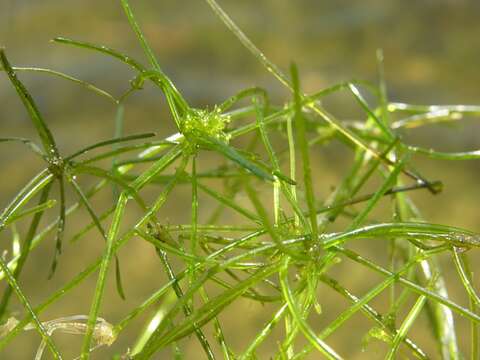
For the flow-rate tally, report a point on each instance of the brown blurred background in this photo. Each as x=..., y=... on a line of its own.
x=431, y=57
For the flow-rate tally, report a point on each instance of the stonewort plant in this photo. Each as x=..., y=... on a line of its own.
x=283, y=251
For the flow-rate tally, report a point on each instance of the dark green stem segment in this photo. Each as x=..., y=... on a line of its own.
x=42, y=129
x=32, y=230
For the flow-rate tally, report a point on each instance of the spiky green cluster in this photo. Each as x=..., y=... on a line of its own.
x=202, y=122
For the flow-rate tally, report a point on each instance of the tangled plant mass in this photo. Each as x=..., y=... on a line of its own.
x=283, y=248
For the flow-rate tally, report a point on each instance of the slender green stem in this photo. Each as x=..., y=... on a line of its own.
x=433, y=296
x=28, y=307
x=26, y=248
x=302, y=141
x=326, y=350
x=474, y=307
x=37, y=119
x=372, y=314
x=99, y=290
x=464, y=277
x=86, y=84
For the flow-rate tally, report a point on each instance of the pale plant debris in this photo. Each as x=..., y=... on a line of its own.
x=103, y=333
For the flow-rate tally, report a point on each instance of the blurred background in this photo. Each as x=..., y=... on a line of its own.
x=431, y=54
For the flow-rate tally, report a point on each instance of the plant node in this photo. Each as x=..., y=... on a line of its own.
x=200, y=123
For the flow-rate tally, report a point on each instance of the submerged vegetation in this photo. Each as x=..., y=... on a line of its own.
x=286, y=245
